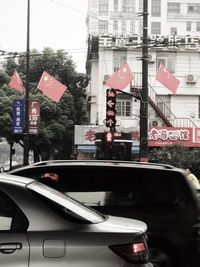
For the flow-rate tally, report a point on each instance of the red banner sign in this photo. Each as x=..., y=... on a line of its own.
x=187, y=137
x=34, y=116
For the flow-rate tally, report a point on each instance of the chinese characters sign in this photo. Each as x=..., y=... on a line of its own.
x=187, y=42
x=18, y=116
x=90, y=135
x=110, y=108
x=157, y=136
x=34, y=116
x=172, y=136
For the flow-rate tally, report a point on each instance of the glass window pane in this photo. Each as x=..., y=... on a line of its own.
x=193, y=8
x=168, y=60
x=173, y=8
x=188, y=26
x=173, y=31
x=171, y=65
x=155, y=8
x=123, y=107
x=132, y=26
x=115, y=5
x=198, y=27
x=128, y=6
x=120, y=58
x=155, y=28
x=103, y=7
x=103, y=26
x=123, y=29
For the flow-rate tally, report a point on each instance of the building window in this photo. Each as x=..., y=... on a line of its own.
x=103, y=7
x=198, y=27
x=155, y=27
x=128, y=6
x=174, y=8
x=140, y=9
x=115, y=26
x=155, y=8
x=124, y=107
x=120, y=58
x=103, y=26
x=193, y=9
x=167, y=59
x=123, y=27
x=188, y=26
x=140, y=27
x=115, y=5
x=173, y=31
x=132, y=26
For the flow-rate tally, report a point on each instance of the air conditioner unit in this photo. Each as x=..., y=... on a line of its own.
x=154, y=123
x=190, y=79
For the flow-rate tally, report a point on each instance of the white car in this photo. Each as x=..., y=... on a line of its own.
x=40, y=226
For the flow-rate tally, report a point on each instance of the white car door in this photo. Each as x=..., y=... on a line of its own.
x=14, y=247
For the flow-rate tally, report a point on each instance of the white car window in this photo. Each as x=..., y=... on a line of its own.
x=5, y=223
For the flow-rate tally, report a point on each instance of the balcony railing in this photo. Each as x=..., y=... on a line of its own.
x=161, y=108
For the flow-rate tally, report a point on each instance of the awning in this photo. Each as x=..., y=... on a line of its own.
x=92, y=149
x=86, y=148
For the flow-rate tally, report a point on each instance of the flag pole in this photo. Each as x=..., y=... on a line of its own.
x=26, y=96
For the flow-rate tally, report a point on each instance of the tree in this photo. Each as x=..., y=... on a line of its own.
x=178, y=156
x=57, y=119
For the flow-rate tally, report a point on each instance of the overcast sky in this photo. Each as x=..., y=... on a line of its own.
x=59, y=24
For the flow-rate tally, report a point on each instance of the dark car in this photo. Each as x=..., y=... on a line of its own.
x=40, y=226
x=160, y=195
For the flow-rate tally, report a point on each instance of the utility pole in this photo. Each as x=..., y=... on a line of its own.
x=26, y=133
x=144, y=91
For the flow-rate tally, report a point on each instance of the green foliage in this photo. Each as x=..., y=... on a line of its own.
x=57, y=119
x=178, y=156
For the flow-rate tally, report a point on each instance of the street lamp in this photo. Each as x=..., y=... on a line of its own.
x=26, y=96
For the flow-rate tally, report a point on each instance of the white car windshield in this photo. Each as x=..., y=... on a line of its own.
x=70, y=205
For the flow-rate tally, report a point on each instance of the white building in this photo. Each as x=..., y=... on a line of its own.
x=115, y=37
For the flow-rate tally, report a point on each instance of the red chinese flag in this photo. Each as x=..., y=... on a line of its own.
x=121, y=78
x=16, y=82
x=51, y=87
x=167, y=79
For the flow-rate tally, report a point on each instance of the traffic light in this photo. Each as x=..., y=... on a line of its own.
x=107, y=145
x=111, y=108
x=109, y=137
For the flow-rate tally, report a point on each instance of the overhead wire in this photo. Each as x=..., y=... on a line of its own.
x=71, y=51
x=15, y=54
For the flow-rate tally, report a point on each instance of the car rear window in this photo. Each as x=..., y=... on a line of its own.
x=101, y=186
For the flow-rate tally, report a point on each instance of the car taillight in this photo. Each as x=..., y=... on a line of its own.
x=132, y=253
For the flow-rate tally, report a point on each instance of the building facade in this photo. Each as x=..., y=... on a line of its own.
x=115, y=29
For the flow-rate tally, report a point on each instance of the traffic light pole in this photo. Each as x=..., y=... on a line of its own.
x=144, y=91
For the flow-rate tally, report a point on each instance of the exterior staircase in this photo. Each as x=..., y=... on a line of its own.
x=155, y=101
